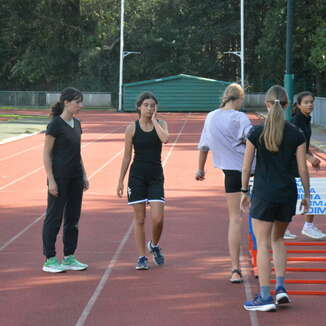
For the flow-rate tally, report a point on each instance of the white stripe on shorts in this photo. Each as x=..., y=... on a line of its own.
x=157, y=200
x=138, y=201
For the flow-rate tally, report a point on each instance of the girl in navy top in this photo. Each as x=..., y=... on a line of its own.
x=277, y=144
x=301, y=118
x=146, y=179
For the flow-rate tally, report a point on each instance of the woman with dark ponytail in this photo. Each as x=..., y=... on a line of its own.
x=301, y=118
x=277, y=144
x=66, y=179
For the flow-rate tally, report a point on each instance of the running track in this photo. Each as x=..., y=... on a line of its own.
x=192, y=289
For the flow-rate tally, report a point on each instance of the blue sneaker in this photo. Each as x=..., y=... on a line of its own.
x=142, y=263
x=281, y=296
x=158, y=258
x=259, y=304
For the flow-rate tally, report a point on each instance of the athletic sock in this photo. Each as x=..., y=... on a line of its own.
x=308, y=225
x=279, y=281
x=265, y=292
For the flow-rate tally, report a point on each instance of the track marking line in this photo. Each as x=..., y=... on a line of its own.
x=5, y=245
x=18, y=153
x=89, y=306
x=10, y=241
x=21, y=178
x=41, y=167
x=248, y=290
x=22, y=136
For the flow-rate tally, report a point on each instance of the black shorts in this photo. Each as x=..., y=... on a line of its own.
x=145, y=185
x=268, y=211
x=232, y=181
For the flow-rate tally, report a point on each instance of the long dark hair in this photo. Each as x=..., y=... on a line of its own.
x=144, y=96
x=300, y=96
x=68, y=94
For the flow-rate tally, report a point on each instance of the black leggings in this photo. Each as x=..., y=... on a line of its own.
x=68, y=206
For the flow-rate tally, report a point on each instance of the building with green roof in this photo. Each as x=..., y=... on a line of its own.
x=180, y=93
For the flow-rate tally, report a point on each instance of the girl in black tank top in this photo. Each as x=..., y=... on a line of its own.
x=146, y=180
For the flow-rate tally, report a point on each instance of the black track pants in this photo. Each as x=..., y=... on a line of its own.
x=68, y=206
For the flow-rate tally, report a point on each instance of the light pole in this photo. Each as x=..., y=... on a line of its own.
x=289, y=76
x=122, y=15
x=123, y=53
x=240, y=53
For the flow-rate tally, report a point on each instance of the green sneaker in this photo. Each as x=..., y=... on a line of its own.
x=52, y=266
x=72, y=264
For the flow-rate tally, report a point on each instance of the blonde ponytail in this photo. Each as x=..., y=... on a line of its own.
x=233, y=92
x=272, y=134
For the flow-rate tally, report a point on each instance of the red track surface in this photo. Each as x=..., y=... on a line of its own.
x=192, y=289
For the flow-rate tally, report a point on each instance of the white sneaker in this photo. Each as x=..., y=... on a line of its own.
x=313, y=232
x=288, y=235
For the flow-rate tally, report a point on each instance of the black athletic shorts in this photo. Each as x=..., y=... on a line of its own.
x=268, y=211
x=232, y=181
x=145, y=185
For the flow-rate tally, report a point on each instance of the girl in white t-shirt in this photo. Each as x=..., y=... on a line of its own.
x=224, y=134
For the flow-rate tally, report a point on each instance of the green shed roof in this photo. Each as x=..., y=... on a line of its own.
x=177, y=93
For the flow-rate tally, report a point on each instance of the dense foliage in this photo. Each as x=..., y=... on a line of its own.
x=48, y=44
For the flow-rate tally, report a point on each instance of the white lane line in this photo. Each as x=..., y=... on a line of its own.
x=11, y=139
x=34, y=147
x=248, y=291
x=41, y=167
x=21, y=178
x=5, y=245
x=104, y=279
x=89, y=306
x=18, y=153
x=10, y=241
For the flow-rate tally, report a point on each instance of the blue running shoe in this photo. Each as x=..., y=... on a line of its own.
x=259, y=304
x=281, y=296
x=158, y=258
x=142, y=263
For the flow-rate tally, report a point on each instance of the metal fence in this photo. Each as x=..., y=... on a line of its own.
x=254, y=101
x=319, y=112
x=38, y=99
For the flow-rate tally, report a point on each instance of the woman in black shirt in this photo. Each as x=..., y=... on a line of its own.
x=66, y=178
x=277, y=143
x=145, y=183
x=301, y=118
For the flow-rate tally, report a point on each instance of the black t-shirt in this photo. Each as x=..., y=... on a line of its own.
x=304, y=123
x=274, y=179
x=66, y=158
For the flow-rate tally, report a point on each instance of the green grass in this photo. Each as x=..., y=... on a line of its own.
x=46, y=108
x=22, y=116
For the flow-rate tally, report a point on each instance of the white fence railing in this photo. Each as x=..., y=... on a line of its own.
x=319, y=112
x=35, y=99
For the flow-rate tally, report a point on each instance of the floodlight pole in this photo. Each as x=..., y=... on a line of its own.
x=242, y=42
x=289, y=76
x=122, y=14
x=240, y=53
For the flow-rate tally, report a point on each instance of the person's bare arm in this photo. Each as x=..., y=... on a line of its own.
x=130, y=130
x=86, y=181
x=47, y=161
x=304, y=175
x=203, y=153
x=161, y=128
x=245, y=175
